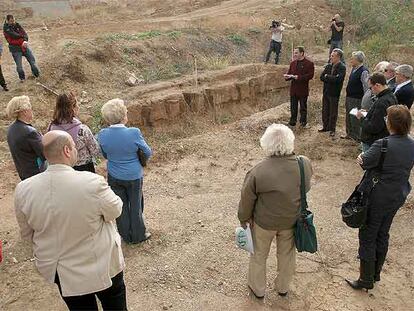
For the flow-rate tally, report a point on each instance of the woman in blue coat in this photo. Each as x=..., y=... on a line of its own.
x=120, y=145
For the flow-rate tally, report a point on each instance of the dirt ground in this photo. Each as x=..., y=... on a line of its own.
x=192, y=189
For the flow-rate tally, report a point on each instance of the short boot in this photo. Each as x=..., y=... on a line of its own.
x=366, y=276
x=378, y=267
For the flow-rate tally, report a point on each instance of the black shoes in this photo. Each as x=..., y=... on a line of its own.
x=366, y=276
x=332, y=134
x=5, y=88
x=322, y=130
x=282, y=294
x=258, y=297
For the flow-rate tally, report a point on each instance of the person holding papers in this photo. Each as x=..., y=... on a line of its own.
x=373, y=125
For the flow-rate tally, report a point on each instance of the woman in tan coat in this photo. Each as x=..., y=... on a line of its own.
x=270, y=202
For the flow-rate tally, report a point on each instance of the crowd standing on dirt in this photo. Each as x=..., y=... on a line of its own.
x=84, y=226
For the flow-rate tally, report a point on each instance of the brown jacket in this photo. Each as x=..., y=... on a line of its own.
x=271, y=192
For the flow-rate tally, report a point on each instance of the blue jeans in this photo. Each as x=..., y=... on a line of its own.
x=18, y=56
x=131, y=226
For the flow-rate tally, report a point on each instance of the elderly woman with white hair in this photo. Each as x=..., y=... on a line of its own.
x=25, y=142
x=270, y=203
x=404, y=91
x=355, y=90
x=120, y=145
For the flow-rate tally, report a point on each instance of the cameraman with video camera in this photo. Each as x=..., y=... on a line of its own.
x=337, y=28
x=276, y=43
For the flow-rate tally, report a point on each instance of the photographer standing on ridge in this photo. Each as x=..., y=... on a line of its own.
x=276, y=42
x=17, y=38
x=337, y=27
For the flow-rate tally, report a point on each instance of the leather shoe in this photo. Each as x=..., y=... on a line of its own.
x=322, y=130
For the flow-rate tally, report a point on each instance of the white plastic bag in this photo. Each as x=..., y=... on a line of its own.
x=244, y=239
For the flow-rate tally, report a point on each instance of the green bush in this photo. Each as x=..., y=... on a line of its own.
x=237, y=39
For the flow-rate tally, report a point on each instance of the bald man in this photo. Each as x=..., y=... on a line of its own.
x=68, y=216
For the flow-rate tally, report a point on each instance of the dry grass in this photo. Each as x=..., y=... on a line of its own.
x=214, y=62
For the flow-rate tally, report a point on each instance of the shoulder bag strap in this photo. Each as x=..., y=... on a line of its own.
x=303, y=203
x=384, y=149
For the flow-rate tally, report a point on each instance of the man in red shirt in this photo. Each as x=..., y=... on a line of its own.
x=301, y=70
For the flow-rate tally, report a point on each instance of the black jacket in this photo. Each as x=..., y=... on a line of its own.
x=373, y=125
x=393, y=186
x=25, y=144
x=405, y=95
x=333, y=81
x=392, y=84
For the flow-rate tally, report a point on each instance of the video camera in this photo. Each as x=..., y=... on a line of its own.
x=275, y=24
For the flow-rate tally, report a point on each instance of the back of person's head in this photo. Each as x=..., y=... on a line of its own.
x=9, y=17
x=359, y=56
x=399, y=119
x=114, y=111
x=392, y=66
x=378, y=78
x=65, y=108
x=58, y=148
x=17, y=104
x=278, y=140
x=381, y=66
x=405, y=70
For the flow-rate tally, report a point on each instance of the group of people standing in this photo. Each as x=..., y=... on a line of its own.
x=66, y=211
x=377, y=115
x=18, y=41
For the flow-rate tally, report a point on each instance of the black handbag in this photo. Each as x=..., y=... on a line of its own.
x=305, y=231
x=142, y=157
x=354, y=211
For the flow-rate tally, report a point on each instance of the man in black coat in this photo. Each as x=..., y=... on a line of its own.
x=373, y=125
x=404, y=90
x=333, y=79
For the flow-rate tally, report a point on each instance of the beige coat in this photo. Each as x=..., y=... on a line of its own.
x=69, y=217
x=271, y=192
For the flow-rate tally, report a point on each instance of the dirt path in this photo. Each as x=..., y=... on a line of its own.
x=191, y=263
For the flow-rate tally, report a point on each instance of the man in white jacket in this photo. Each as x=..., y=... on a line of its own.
x=69, y=218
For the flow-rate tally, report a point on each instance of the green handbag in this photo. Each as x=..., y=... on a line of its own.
x=305, y=231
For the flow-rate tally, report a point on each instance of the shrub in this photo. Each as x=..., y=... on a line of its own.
x=237, y=39
x=214, y=62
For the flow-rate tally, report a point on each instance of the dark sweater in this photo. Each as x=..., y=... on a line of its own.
x=355, y=89
x=15, y=35
x=333, y=80
x=305, y=70
x=373, y=125
x=25, y=144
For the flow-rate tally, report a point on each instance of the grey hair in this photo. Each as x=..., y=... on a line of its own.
x=114, y=111
x=277, y=140
x=405, y=70
x=359, y=56
x=339, y=52
x=381, y=66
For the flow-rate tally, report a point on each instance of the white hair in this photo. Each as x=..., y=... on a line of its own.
x=381, y=66
x=278, y=140
x=405, y=70
x=16, y=105
x=114, y=111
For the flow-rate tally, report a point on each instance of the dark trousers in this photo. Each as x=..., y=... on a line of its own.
x=2, y=81
x=374, y=236
x=294, y=102
x=329, y=112
x=130, y=224
x=353, y=125
x=89, y=167
x=274, y=47
x=112, y=298
x=18, y=59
